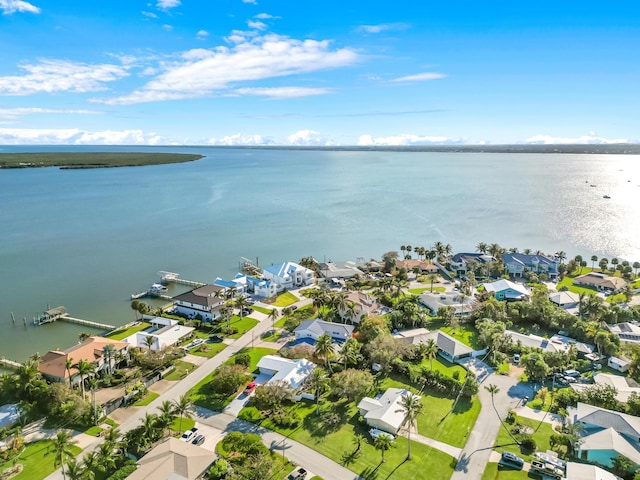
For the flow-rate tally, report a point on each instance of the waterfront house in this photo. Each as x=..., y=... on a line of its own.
x=507, y=290
x=236, y=283
x=203, y=302
x=292, y=372
x=626, y=331
x=448, y=347
x=601, y=282
x=288, y=275
x=314, y=328
x=607, y=434
x=461, y=262
x=53, y=363
x=385, y=412
x=423, y=267
x=174, y=460
x=518, y=263
x=339, y=269
x=437, y=300
x=164, y=331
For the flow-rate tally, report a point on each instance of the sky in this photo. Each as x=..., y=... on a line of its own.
x=276, y=72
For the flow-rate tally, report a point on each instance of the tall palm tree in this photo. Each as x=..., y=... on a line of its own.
x=167, y=414
x=75, y=470
x=383, y=443
x=225, y=313
x=85, y=368
x=482, y=247
x=108, y=353
x=90, y=462
x=149, y=425
x=112, y=436
x=241, y=304
x=149, y=340
x=62, y=448
x=432, y=277
x=636, y=266
x=319, y=382
x=105, y=456
x=68, y=365
x=350, y=352
x=324, y=349
x=494, y=390
x=410, y=406
x=183, y=407
x=430, y=350
x=341, y=303
x=273, y=316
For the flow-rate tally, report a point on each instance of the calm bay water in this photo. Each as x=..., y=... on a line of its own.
x=87, y=239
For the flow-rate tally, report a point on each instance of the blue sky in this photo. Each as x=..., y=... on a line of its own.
x=318, y=73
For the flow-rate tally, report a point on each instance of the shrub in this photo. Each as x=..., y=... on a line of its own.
x=286, y=420
x=228, y=379
x=243, y=359
x=219, y=469
x=456, y=375
x=123, y=473
x=527, y=443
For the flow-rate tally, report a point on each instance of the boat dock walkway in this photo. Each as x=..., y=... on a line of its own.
x=87, y=323
x=170, y=277
x=5, y=362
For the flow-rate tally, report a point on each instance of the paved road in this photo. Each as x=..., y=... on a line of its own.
x=477, y=451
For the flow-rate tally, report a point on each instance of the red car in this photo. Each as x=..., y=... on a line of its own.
x=250, y=388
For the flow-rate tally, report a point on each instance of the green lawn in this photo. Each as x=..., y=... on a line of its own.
x=124, y=333
x=202, y=397
x=272, y=336
x=445, y=367
x=266, y=311
x=440, y=420
x=618, y=298
x=94, y=431
x=303, y=313
x=243, y=325
x=427, y=464
x=494, y=472
x=285, y=299
x=208, y=349
x=466, y=334
x=38, y=459
x=187, y=424
x=567, y=281
x=147, y=399
x=418, y=291
x=182, y=370
x=505, y=443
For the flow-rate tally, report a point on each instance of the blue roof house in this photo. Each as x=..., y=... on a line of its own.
x=517, y=263
x=288, y=275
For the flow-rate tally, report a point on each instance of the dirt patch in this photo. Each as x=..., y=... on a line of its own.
x=516, y=371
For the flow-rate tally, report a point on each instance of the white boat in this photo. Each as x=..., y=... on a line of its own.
x=157, y=289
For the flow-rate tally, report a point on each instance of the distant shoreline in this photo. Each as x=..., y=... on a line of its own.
x=85, y=160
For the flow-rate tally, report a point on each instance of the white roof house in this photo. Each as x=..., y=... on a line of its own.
x=288, y=275
x=385, y=413
x=294, y=372
x=507, y=290
x=565, y=299
x=448, y=347
x=166, y=332
x=434, y=301
x=625, y=386
x=627, y=331
x=607, y=434
x=556, y=344
x=339, y=270
x=314, y=328
x=585, y=471
x=620, y=364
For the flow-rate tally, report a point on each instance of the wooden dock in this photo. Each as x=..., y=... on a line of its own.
x=171, y=277
x=5, y=362
x=87, y=323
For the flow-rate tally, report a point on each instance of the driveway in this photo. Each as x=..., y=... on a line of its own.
x=211, y=434
x=241, y=400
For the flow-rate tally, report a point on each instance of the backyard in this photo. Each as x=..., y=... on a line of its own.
x=125, y=332
x=38, y=459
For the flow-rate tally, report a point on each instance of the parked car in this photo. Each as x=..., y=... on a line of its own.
x=298, y=474
x=246, y=311
x=215, y=338
x=511, y=460
x=571, y=373
x=199, y=440
x=251, y=386
x=375, y=433
x=516, y=359
x=294, y=307
x=189, y=435
x=525, y=399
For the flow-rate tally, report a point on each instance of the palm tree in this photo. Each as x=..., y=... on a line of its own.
x=68, y=364
x=62, y=447
x=108, y=353
x=636, y=266
x=430, y=350
x=85, y=368
x=273, y=316
x=482, y=247
x=383, y=443
x=90, y=462
x=411, y=406
x=432, y=279
x=351, y=311
x=105, y=457
x=461, y=298
x=561, y=256
x=241, y=304
x=75, y=470
x=149, y=425
x=225, y=313
x=494, y=390
x=183, y=407
x=167, y=414
x=319, y=382
x=324, y=349
x=149, y=340
x=350, y=352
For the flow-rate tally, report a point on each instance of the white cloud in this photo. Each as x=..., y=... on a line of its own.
x=282, y=92
x=61, y=76
x=383, y=27
x=420, y=77
x=592, y=139
x=12, y=6
x=264, y=16
x=167, y=27
x=307, y=138
x=257, y=25
x=149, y=14
x=12, y=113
x=252, y=2
x=75, y=136
x=202, y=34
x=167, y=4
x=240, y=139
x=203, y=72
x=405, y=139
